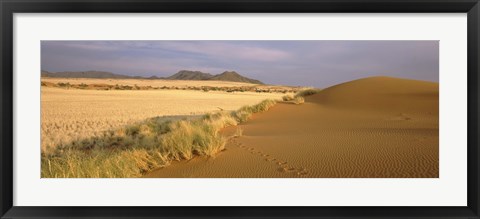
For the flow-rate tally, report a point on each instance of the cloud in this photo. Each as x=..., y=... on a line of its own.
x=217, y=49
x=229, y=50
x=312, y=63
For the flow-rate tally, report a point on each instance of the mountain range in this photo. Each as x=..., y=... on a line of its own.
x=181, y=75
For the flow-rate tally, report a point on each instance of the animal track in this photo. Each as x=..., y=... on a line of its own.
x=282, y=165
x=270, y=159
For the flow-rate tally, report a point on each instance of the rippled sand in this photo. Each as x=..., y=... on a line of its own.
x=373, y=127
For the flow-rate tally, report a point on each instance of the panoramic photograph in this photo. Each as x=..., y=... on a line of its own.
x=239, y=109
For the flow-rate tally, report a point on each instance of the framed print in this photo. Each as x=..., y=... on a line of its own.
x=239, y=109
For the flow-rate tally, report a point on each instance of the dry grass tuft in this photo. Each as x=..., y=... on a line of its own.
x=287, y=98
x=298, y=100
x=244, y=113
x=307, y=92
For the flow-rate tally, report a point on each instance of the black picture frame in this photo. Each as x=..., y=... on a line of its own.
x=9, y=7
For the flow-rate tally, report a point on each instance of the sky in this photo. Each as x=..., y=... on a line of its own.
x=318, y=63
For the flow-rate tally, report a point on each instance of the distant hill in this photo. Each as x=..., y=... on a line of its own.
x=181, y=75
x=234, y=76
x=190, y=75
x=155, y=77
x=225, y=76
x=82, y=74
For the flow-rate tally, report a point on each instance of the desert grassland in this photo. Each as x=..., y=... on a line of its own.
x=161, y=83
x=73, y=114
x=136, y=149
x=145, y=82
x=126, y=133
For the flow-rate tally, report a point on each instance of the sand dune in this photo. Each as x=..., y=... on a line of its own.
x=374, y=127
x=383, y=93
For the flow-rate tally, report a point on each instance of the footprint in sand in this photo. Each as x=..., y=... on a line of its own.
x=282, y=165
x=289, y=169
x=270, y=159
x=400, y=117
x=286, y=169
x=301, y=173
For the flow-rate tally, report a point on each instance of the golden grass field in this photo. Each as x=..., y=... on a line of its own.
x=93, y=83
x=69, y=114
